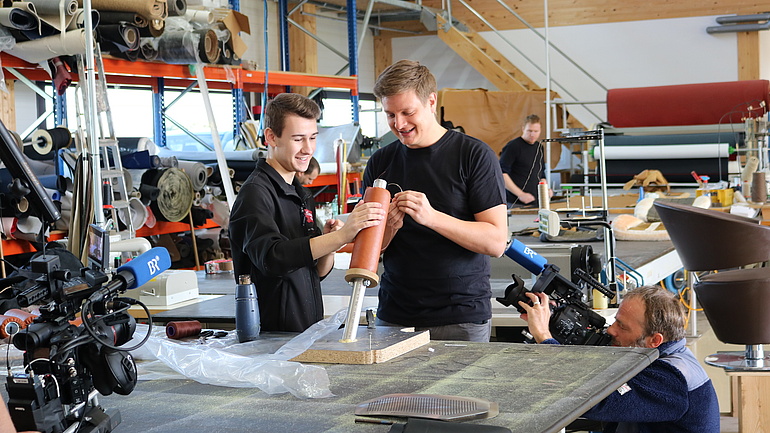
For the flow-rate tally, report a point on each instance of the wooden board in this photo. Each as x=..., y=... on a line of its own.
x=372, y=346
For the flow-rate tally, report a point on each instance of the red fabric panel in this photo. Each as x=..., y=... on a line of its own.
x=687, y=104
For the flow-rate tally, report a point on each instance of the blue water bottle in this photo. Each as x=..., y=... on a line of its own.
x=246, y=310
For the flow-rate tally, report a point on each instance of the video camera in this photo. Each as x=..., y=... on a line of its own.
x=67, y=362
x=572, y=321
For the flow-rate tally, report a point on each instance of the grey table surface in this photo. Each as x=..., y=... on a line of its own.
x=539, y=389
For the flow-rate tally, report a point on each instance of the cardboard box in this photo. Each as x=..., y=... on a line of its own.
x=235, y=22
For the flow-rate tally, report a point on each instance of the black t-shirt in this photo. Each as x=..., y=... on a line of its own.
x=270, y=229
x=523, y=163
x=428, y=279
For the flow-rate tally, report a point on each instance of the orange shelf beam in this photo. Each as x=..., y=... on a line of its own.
x=165, y=227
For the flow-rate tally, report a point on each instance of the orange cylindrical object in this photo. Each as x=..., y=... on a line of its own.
x=5, y=320
x=23, y=315
x=368, y=243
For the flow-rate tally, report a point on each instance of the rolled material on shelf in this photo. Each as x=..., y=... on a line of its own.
x=176, y=8
x=140, y=160
x=148, y=49
x=204, y=17
x=148, y=193
x=78, y=20
x=115, y=17
x=208, y=47
x=368, y=244
x=197, y=173
x=178, y=47
x=136, y=213
x=39, y=50
x=671, y=151
x=176, y=194
x=52, y=7
x=47, y=141
x=19, y=18
x=119, y=37
x=152, y=9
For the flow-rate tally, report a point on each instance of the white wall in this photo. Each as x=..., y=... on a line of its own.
x=629, y=54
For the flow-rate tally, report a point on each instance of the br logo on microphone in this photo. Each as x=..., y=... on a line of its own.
x=153, y=265
x=530, y=253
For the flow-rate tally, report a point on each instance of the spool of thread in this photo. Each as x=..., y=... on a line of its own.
x=10, y=325
x=26, y=317
x=758, y=187
x=544, y=200
x=183, y=329
x=368, y=243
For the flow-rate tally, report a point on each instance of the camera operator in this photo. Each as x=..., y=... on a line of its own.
x=673, y=394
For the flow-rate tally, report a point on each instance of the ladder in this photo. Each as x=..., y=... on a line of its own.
x=112, y=167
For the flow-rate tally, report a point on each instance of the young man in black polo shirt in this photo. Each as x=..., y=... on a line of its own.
x=273, y=233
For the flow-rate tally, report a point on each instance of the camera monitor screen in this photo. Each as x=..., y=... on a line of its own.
x=98, y=247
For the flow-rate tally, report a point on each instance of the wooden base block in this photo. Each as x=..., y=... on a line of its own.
x=371, y=346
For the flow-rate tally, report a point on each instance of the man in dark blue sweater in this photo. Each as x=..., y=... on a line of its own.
x=673, y=394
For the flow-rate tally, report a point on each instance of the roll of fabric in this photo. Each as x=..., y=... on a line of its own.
x=52, y=7
x=119, y=37
x=46, y=142
x=175, y=196
x=758, y=187
x=19, y=18
x=153, y=9
x=25, y=317
x=78, y=20
x=199, y=16
x=197, y=173
x=178, y=48
x=53, y=181
x=148, y=49
x=115, y=17
x=225, y=53
x=140, y=160
x=208, y=48
x=73, y=42
x=149, y=193
x=131, y=56
x=176, y=8
x=136, y=213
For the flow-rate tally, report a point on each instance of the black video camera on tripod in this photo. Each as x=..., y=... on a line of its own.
x=572, y=321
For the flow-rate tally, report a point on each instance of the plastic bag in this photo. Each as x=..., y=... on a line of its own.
x=263, y=363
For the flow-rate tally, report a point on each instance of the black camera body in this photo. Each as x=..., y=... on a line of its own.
x=572, y=321
x=66, y=362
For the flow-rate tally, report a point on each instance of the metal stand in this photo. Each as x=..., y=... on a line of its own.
x=752, y=359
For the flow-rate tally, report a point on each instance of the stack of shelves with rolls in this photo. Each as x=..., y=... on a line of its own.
x=159, y=75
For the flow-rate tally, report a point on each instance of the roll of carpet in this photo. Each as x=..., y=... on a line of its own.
x=197, y=173
x=54, y=7
x=208, y=48
x=44, y=143
x=153, y=9
x=149, y=193
x=140, y=160
x=71, y=43
x=176, y=8
x=226, y=54
x=19, y=18
x=10, y=325
x=25, y=316
x=119, y=37
x=169, y=161
x=179, y=48
x=131, y=55
x=115, y=17
x=175, y=196
x=148, y=49
x=78, y=20
x=53, y=181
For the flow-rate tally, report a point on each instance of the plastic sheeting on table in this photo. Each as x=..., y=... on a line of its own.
x=263, y=363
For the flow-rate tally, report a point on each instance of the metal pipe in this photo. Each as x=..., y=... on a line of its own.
x=547, y=95
x=734, y=28
x=90, y=108
x=367, y=16
x=743, y=18
x=371, y=26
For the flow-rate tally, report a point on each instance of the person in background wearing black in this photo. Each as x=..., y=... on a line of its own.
x=523, y=166
x=308, y=176
x=273, y=234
